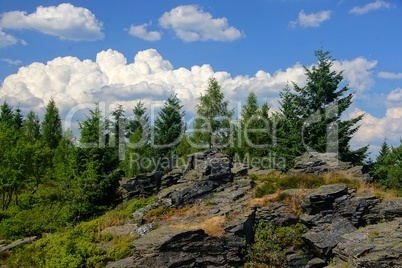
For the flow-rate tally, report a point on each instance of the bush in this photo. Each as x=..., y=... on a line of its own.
x=266, y=188
x=270, y=244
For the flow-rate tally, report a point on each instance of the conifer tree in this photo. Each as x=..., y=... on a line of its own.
x=31, y=126
x=318, y=106
x=169, y=126
x=51, y=125
x=212, y=124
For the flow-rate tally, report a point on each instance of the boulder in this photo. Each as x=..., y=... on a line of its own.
x=18, y=243
x=323, y=198
x=378, y=245
x=141, y=186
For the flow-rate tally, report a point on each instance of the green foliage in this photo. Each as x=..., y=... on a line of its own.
x=264, y=189
x=212, y=124
x=169, y=127
x=300, y=181
x=51, y=125
x=78, y=246
x=270, y=243
x=94, y=129
x=388, y=171
x=312, y=115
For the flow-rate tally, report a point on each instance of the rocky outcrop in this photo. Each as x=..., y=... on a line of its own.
x=141, y=186
x=321, y=163
x=333, y=217
x=17, y=243
x=378, y=245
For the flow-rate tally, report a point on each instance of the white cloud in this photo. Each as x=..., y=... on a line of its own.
x=141, y=32
x=311, y=20
x=373, y=129
x=148, y=77
x=378, y=4
x=12, y=62
x=64, y=21
x=357, y=72
x=190, y=23
x=389, y=75
x=395, y=96
x=7, y=40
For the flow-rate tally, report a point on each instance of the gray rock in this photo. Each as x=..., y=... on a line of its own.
x=143, y=185
x=323, y=198
x=18, y=243
x=324, y=238
x=377, y=245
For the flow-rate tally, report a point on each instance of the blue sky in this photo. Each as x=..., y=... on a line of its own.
x=79, y=51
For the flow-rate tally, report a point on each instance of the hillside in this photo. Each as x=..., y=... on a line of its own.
x=216, y=213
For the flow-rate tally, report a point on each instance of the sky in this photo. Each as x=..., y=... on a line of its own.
x=120, y=52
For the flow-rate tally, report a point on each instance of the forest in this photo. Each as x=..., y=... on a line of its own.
x=51, y=181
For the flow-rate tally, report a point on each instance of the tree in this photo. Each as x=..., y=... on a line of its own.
x=51, y=125
x=319, y=105
x=7, y=114
x=255, y=127
x=138, y=150
x=93, y=130
x=212, y=124
x=169, y=126
x=31, y=127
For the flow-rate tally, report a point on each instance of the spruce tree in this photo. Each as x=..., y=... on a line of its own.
x=7, y=114
x=212, y=124
x=169, y=126
x=319, y=105
x=51, y=125
x=31, y=127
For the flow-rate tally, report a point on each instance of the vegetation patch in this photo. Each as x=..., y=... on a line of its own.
x=270, y=244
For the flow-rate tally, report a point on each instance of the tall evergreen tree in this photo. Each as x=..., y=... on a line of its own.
x=212, y=124
x=51, y=125
x=94, y=128
x=255, y=127
x=31, y=126
x=7, y=114
x=320, y=105
x=140, y=120
x=169, y=126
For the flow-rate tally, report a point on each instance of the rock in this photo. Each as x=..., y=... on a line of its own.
x=218, y=167
x=377, y=245
x=323, y=198
x=123, y=263
x=298, y=259
x=325, y=237
x=316, y=263
x=18, y=243
x=278, y=213
x=126, y=230
x=141, y=186
x=171, y=178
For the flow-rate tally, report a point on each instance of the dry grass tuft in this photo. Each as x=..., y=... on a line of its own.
x=214, y=226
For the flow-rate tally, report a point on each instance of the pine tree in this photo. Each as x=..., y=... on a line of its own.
x=255, y=127
x=31, y=126
x=140, y=120
x=169, y=126
x=212, y=124
x=320, y=105
x=7, y=114
x=51, y=125
x=94, y=128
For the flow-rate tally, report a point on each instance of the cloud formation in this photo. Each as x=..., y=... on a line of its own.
x=190, y=23
x=12, y=62
x=389, y=75
x=378, y=4
x=64, y=21
x=7, y=40
x=311, y=20
x=395, y=96
x=140, y=31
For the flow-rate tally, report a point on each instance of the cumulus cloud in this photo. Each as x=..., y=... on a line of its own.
x=358, y=72
x=378, y=4
x=140, y=31
x=311, y=20
x=389, y=75
x=64, y=21
x=395, y=96
x=190, y=23
x=148, y=77
x=373, y=129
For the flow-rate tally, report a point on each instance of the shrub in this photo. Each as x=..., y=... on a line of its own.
x=270, y=244
x=264, y=189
